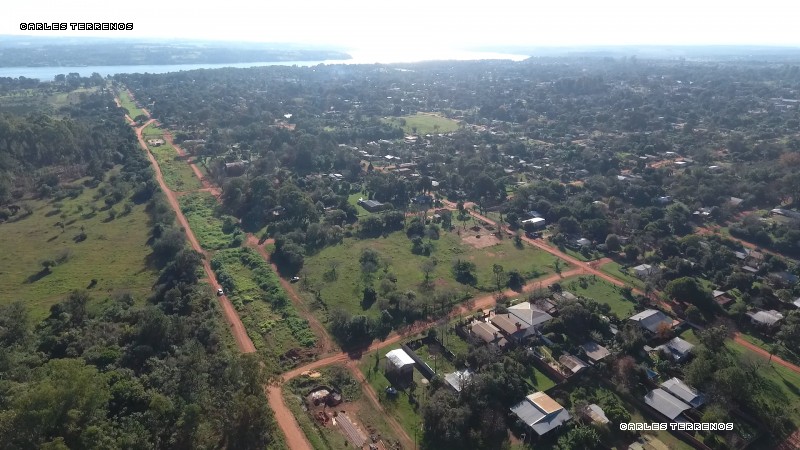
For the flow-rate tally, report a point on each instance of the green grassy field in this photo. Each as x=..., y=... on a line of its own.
x=600, y=291
x=615, y=270
x=177, y=173
x=114, y=252
x=780, y=385
x=128, y=104
x=346, y=290
x=424, y=123
x=200, y=209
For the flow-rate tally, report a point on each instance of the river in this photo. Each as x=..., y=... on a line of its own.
x=359, y=57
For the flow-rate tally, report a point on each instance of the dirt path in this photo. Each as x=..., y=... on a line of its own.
x=207, y=185
x=325, y=344
x=237, y=328
x=792, y=442
x=398, y=429
x=737, y=337
x=286, y=421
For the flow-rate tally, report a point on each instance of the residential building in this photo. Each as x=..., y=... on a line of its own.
x=684, y=392
x=652, y=320
x=596, y=414
x=594, y=351
x=765, y=318
x=666, y=403
x=541, y=413
x=488, y=333
x=457, y=380
x=574, y=364
x=677, y=348
x=644, y=270
x=521, y=321
x=371, y=205
x=535, y=222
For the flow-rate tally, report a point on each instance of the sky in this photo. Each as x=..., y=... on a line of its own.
x=430, y=24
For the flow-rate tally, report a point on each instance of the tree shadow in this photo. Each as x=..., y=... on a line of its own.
x=38, y=275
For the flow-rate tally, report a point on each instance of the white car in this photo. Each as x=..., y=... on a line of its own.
x=220, y=292
x=295, y=279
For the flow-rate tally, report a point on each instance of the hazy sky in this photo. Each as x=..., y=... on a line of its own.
x=425, y=24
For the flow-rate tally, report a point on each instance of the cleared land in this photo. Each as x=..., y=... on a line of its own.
x=345, y=291
x=601, y=291
x=424, y=123
x=357, y=407
x=128, y=104
x=114, y=252
x=177, y=173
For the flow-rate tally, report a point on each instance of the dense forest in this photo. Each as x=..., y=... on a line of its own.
x=120, y=372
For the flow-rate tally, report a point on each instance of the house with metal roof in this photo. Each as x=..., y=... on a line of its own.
x=399, y=362
x=677, y=348
x=651, y=320
x=488, y=333
x=684, y=392
x=594, y=351
x=521, y=321
x=541, y=413
x=666, y=403
x=458, y=379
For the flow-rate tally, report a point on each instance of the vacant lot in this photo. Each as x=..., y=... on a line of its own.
x=424, y=123
x=615, y=270
x=128, y=104
x=601, y=291
x=397, y=262
x=114, y=252
x=177, y=173
x=200, y=209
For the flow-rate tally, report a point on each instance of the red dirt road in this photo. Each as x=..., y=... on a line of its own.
x=737, y=337
x=295, y=440
x=237, y=328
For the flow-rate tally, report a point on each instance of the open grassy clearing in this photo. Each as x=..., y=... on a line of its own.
x=25, y=101
x=345, y=291
x=177, y=173
x=213, y=231
x=128, y=104
x=614, y=269
x=269, y=318
x=601, y=291
x=114, y=252
x=422, y=123
x=781, y=385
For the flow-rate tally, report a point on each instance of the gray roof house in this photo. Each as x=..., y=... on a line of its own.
x=594, y=351
x=677, y=348
x=651, y=320
x=458, y=379
x=666, y=403
x=643, y=270
x=488, y=333
x=541, y=413
x=681, y=390
x=521, y=321
x=766, y=318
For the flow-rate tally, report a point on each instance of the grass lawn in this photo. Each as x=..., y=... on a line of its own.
x=780, y=384
x=614, y=269
x=346, y=290
x=424, y=123
x=538, y=380
x=689, y=336
x=128, y=104
x=600, y=291
x=177, y=173
x=114, y=252
x=200, y=209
